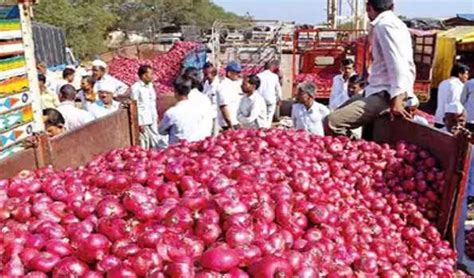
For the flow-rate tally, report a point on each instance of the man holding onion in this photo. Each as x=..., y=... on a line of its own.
x=392, y=75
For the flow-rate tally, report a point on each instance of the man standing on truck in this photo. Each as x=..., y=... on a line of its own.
x=392, y=77
x=144, y=93
x=270, y=89
x=450, y=91
x=99, y=73
x=467, y=99
x=339, y=94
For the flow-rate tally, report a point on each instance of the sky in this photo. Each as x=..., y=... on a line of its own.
x=314, y=11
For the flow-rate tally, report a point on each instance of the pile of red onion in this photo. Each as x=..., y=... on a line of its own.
x=249, y=203
x=166, y=67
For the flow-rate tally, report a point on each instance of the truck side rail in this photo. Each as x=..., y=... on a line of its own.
x=452, y=152
x=77, y=147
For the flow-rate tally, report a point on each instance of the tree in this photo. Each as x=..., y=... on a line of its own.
x=85, y=22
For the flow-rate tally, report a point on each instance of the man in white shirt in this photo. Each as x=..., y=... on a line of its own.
x=467, y=99
x=450, y=91
x=68, y=78
x=229, y=94
x=42, y=68
x=181, y=122
x=211, y=83
x=99, y=73
x=73, y=116
x=252, y=109
x=202, y=102
x=412, y=105
x=308, y=114
x=144, y=94
x=270, y=89
x=392, y=76
x=339, y=94
x=106, y=104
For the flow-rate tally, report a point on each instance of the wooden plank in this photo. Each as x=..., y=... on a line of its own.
x=14, y=164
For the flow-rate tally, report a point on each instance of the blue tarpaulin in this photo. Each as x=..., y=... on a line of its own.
x=196, y=58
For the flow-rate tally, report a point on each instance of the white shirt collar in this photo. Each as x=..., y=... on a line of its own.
x=381, y=17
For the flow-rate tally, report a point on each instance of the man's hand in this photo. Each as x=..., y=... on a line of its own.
x=397, y=107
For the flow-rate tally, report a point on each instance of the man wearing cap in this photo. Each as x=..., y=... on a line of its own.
x=270, y=89
x=144, y=93
x=229, y=94
x=412, y=106
x=106, y=104
x=454, y=123
x=73, y=116
x=308, y=114
x=392, y=74
x=99, y=73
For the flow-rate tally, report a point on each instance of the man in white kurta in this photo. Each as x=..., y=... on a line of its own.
x=308, y=114
x=340, y=82
x=106, y=104
x=252, y=111
x=270, y=90
x=229, y=94
x=211, y=84
x=144, y=94
x=450, y=91
x=181, y=122
x=392, y=75
x=100, y=75
x=73, y=116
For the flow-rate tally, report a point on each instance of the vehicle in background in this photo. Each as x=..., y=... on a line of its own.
x=286, y=37
x=191, y=33
x=234, y=37
x=50, y=47
x=321, y=52
x=263, y=33
x=169, y=35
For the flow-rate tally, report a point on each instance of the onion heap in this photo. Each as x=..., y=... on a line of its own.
x=248, y=203
x=166, y=67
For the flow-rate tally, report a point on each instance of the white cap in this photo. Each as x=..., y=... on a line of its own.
x=99, y=63
x=106, y=86
x=454, y=108
x=412, y=101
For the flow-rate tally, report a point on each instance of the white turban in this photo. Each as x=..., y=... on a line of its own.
x=99, y=63
x=107, y=86
x=454, y=108
x=412, y=101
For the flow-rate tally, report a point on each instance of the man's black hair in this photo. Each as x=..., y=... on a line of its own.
x=208, y=65
x=68, y=72
x=347, y=62
x=193, y=75
x=89, y=80
x=68, y=92
x=183, y=86
x=254, y=80
x=143, y=69
x=381, y=5
x=42, y=78
x=357, y=79
x=458, y=69
x=53, y=117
